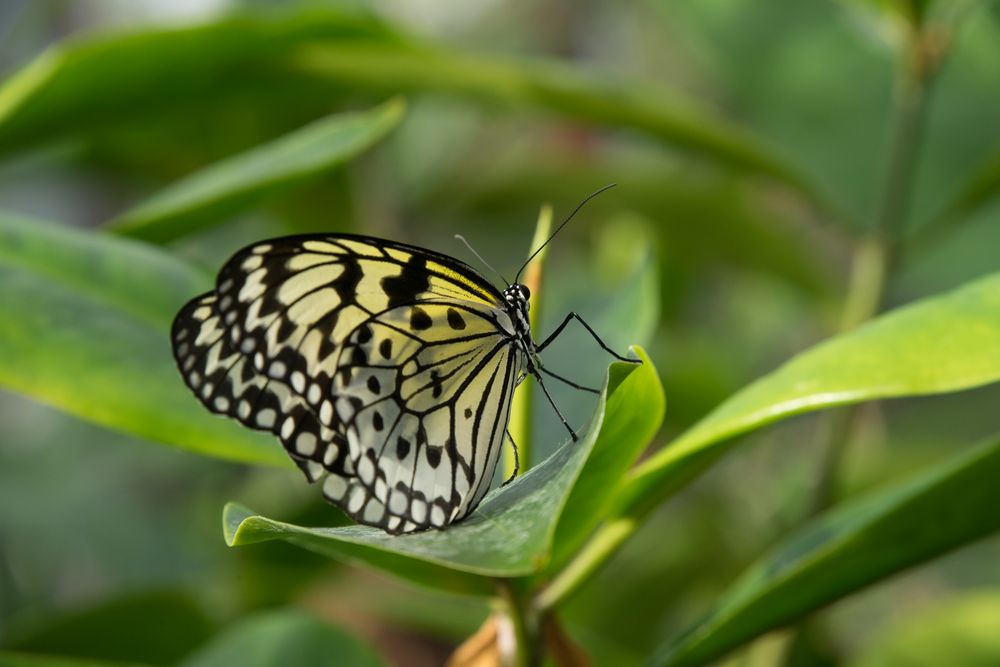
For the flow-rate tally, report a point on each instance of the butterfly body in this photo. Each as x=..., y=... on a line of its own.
x=385, y=369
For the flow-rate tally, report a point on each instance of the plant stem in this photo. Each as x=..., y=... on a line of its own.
x=520, y=411
x=524, y=626
x=875, y=256
x=872, y=265
x=594, y=553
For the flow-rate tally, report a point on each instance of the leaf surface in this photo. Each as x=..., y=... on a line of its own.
x=511, y=532
x=949, y=505
x=86, y=330
x=941, y=344
x=218, y=191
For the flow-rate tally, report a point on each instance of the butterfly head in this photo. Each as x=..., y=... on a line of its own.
x=518, y=298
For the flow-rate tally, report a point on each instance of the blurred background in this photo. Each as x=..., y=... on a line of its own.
x=722, y=271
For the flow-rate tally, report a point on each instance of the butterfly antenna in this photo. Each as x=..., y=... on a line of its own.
x=480, y=258
x=563, y=224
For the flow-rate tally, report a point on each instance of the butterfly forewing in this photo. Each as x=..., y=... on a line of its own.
x=387, y=367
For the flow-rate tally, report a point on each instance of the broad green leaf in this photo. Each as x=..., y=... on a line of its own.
x=941, y=344
x=355, y=545
x=18, y=659
x=954, y=631
x=100, y=81
x=240, y=182
x=86, y=329
x=550, y=86
x=284, y=639
x=949, y=505
x=638, y=416
x=134, y=277
x=511, y=532
x=154, y=627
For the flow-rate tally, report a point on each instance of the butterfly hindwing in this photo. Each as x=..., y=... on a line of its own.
x=385, y=367
x=226, y=383
x=414, y=422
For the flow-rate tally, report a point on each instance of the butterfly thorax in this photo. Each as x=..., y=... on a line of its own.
x=517, y=298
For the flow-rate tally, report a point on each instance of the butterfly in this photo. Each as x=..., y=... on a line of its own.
x=385, y=370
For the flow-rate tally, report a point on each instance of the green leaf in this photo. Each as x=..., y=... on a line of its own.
x=511, y=532
x=133, y=277
x=18, y=659
x=551, y=86
x=86, y=329
x=937, y=345
x=284, y=639
x=957, y=631
x=221, y=190
x=98, y=82
x=154, y=627
x=949, y=505
x=638, y=416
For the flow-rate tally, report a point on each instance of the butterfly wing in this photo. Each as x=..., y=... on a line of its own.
x=387, y=366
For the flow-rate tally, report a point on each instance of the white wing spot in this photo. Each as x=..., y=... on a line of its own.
x=335, y=487
x=437, y=516
x=287, y=428
x=252, y=262
x=266, y=418
x=356, y=500
x=366, y=470
x=330, y=455
x=418, y=510
x=305, y=444
x=397, y=502
x=298, y=381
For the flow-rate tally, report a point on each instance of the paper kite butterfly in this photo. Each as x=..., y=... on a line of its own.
x=385, y=368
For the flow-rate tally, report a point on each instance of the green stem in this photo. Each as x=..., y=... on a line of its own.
x=875, y=258
x=519, y=425
x=526, y=647
x=585, y=563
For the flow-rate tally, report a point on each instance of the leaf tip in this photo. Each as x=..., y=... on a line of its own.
x=234, y=517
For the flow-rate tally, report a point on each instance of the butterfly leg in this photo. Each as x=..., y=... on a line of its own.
x=545, y=391
x=541, y=346
x=567, y=381
x=517, y=462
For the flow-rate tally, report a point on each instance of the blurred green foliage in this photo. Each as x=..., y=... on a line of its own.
x=787, y=172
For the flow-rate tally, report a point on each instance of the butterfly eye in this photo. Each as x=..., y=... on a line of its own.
x=525, y=292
